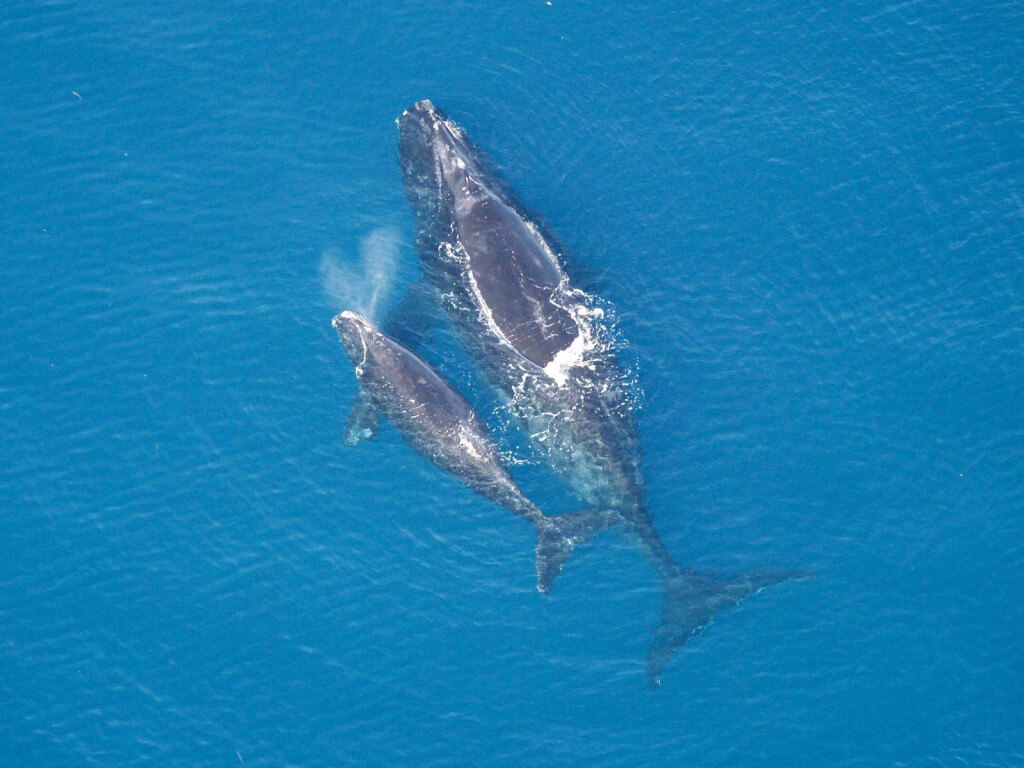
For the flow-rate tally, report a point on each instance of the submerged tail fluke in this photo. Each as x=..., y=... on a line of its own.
x=691, y=601
x=558, y=536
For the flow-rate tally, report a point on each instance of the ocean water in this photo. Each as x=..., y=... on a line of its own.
x=809, y=217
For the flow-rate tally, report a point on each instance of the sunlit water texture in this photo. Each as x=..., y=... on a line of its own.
x=809, y=220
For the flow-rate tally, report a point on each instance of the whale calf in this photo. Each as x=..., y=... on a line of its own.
x=546, y=347
x=443, y=427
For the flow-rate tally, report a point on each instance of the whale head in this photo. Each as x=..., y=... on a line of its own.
x=435, y=155
x=355, y=334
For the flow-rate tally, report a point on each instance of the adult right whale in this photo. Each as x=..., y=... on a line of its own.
x=545, y=345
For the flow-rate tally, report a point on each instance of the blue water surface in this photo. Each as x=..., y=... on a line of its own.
x=810, y=219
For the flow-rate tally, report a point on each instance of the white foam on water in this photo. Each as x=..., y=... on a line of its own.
x=567, y=359
x=590, y=343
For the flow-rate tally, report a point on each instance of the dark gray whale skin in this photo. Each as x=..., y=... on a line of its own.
x=512, y=305
x=542, y=344
x=444, y=428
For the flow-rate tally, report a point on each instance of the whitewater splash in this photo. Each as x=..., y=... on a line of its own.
x=367, y=284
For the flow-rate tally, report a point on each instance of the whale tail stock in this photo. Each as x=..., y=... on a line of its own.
x=558, y=536
x=691, y=601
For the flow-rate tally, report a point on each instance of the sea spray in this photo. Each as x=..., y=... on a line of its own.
x=366, y=283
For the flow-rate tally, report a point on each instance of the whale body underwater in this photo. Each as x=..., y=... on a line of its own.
x=547, y=348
